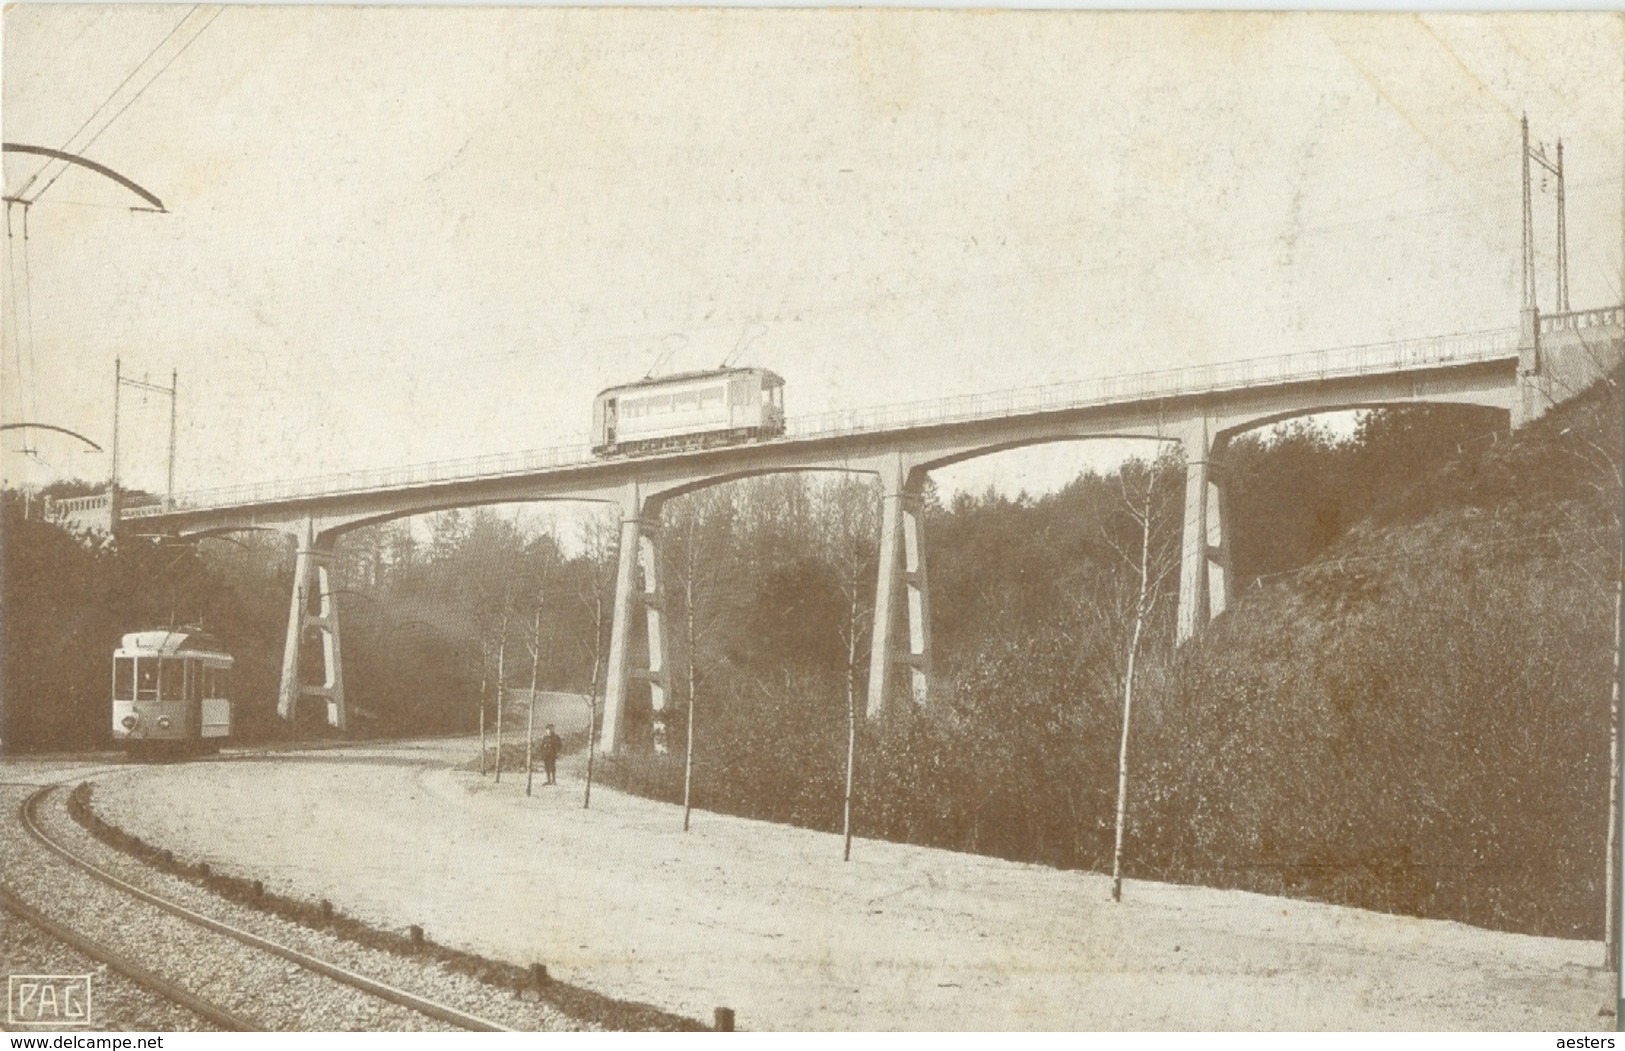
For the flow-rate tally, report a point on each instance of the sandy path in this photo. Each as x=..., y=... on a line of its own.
x=769, y=921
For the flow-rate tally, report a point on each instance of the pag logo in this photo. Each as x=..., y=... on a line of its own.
x=48, y=999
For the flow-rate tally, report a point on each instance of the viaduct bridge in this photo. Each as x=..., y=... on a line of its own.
x=1522, y=371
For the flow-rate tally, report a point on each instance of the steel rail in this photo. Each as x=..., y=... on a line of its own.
x=128, y=968
x=383, y=991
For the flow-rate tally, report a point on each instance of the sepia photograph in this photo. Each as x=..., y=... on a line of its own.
x=622, y=519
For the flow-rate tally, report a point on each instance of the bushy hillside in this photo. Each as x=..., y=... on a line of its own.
x=1418, y=720
x=1406, y=709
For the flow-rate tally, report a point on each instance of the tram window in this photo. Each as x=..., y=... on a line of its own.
x=146, y=679
x=207, y=674
x=194, y=681
x=172, y=680
x=124, y=678
x=222, y=682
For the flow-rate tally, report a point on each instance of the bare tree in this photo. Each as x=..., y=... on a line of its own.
x=599, y=551
x=1607, y=469
x=688, y=621
x=535, y=667
x=1150, y=560
x=848, y=527
x=698, y=572
x=502, y=680
x=1603, y=472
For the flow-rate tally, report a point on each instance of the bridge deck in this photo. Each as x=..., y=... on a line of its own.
x=1460, y=349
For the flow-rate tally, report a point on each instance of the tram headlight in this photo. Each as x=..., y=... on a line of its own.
x=163, y=723
x=129, y=722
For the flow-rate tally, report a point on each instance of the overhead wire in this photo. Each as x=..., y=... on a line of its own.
x=1142, y=259
x=139, y=92
x=108, y=100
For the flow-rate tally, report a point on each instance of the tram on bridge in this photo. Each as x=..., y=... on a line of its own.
x=689, y=410
x=171, y=692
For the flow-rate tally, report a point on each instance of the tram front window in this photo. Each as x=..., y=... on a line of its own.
x=146, y=679
x=172, y=680
x=123, y=678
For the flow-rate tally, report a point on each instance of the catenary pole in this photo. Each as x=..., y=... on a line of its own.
x=174, y=386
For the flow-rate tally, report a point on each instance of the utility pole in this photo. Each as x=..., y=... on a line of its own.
x=112, y=475
x=1529, y=304
x=120, y=382
x=174, y=385
x=1555, y=169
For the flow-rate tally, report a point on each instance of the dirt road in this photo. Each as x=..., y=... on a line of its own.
x=769, y=920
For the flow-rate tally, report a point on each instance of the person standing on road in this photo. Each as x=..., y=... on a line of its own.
x=551, y=743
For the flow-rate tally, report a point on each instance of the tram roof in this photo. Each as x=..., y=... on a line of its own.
x=676, y=378
x=165, y=643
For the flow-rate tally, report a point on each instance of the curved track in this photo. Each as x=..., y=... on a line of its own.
x=27, y=817
x=164, y=988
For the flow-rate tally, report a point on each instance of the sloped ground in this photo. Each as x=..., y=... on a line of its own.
x=1417, y=720
x=769, y=921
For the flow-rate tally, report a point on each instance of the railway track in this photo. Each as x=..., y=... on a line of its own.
x=231, y=977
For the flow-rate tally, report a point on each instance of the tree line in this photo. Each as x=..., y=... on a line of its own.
x=1406, y=708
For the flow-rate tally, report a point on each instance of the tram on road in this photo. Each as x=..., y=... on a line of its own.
x=171, y=692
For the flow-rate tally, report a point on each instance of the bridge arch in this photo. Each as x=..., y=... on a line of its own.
x=332, y=533
x=640, y=548
x=664, y=495
x=1235, y=427
x=969, y=453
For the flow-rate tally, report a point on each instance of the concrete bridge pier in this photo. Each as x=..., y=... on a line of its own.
x=902, y=591
x=1204, y=569
x=639, y=549
x=313, y=580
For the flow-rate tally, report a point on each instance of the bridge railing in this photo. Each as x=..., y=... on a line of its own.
x=76, y=504
x=1309, y=366
x=429, y=473
x=1198, y=379
x=1576, y=319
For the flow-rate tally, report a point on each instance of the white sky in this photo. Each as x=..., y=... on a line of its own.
x=400, y=235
